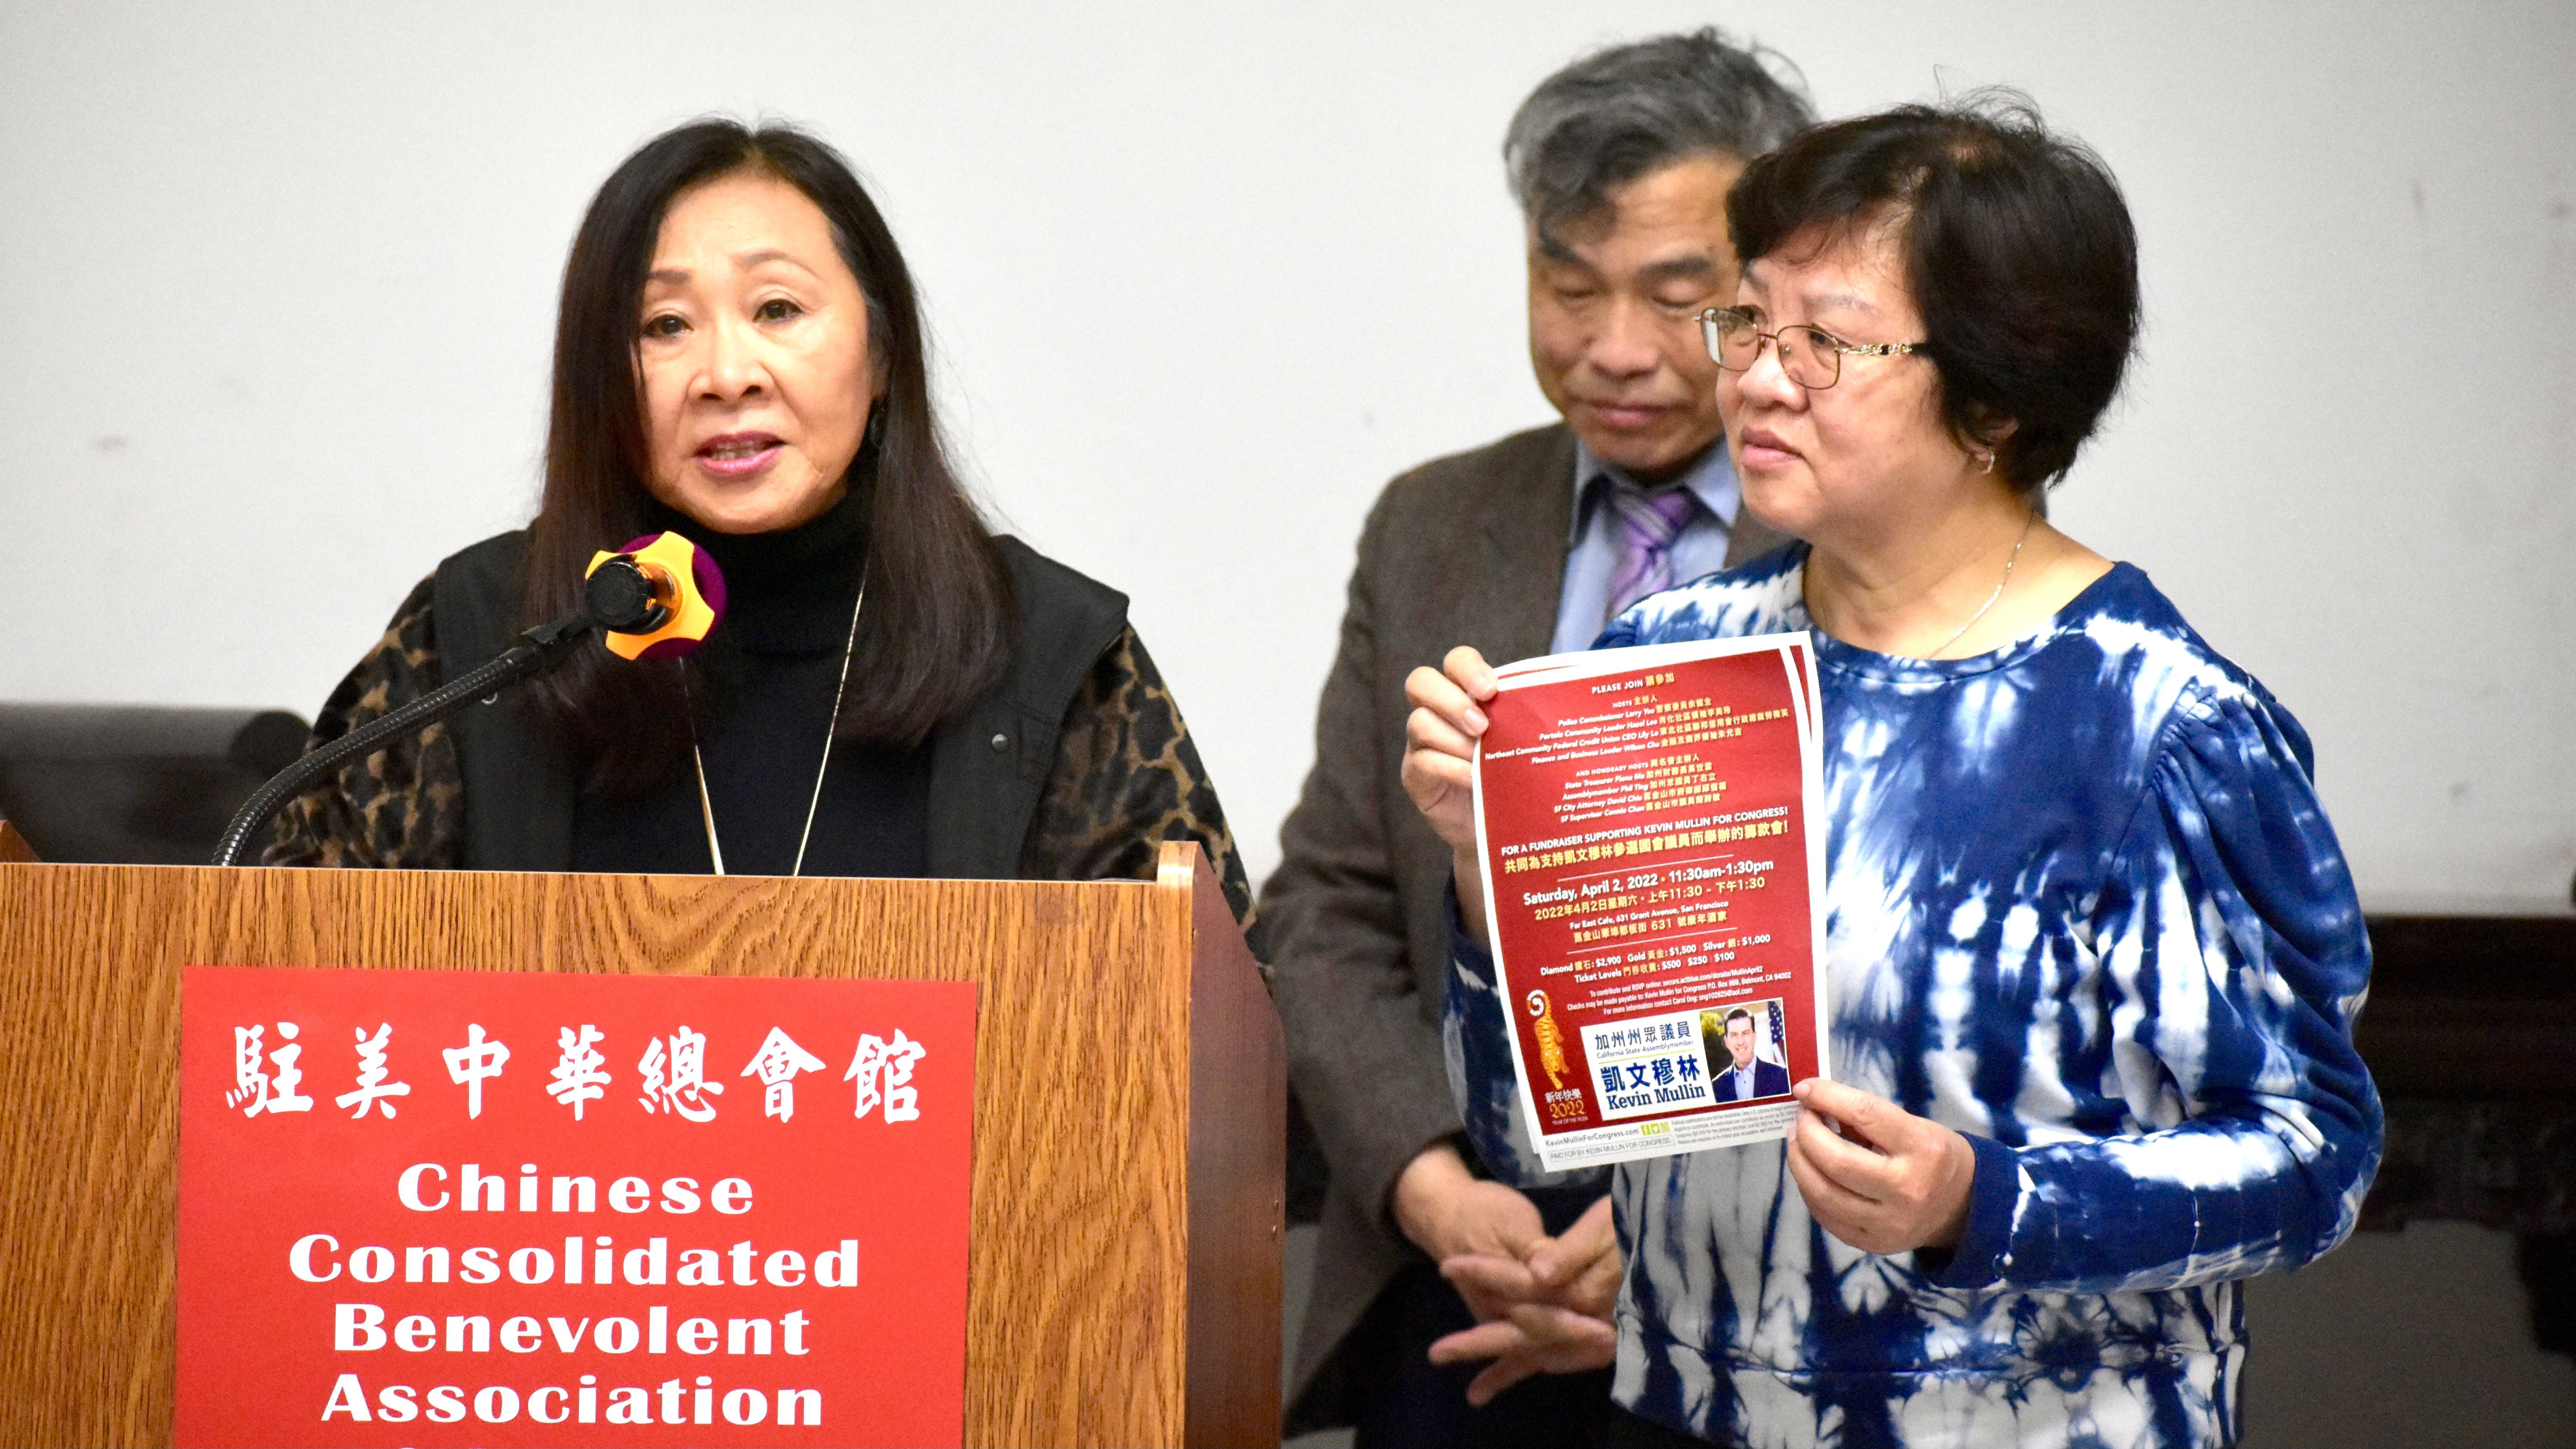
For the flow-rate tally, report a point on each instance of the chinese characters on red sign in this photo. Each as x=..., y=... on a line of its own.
x=484, y=1208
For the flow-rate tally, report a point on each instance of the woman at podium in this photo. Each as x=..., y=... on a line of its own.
x=893, y=691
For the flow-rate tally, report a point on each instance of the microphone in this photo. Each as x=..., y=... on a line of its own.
x=657, y=598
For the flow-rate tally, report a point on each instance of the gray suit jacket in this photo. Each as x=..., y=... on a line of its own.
x=1468, y=549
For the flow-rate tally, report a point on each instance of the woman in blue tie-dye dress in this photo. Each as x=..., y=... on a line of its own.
x=2093, y=952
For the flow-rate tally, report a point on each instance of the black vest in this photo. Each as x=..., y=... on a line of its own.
x=988, y=768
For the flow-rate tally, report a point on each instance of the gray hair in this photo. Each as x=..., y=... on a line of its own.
x=1625, y=110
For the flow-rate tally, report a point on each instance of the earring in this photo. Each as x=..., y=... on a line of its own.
x=1985, y=462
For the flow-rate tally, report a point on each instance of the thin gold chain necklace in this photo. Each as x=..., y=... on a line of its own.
x=706, y=807
x=1807, y=583
x=1997, y=594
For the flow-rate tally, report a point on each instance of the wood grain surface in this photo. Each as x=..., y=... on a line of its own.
x=1238, y=1182
x=1080, y=1304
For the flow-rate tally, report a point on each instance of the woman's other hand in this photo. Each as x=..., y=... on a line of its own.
x=1439, y=741
x=1877, y=1176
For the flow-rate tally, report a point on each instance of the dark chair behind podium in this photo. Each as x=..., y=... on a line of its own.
x=1130, y=1091
x=102, y=784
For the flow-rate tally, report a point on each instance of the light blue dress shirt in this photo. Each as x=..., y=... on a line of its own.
x=1592, y=538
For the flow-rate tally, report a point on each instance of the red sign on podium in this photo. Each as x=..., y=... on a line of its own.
x=479, y=1208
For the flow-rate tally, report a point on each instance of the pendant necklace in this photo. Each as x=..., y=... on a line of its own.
x=1997, y=594
x=707, y=809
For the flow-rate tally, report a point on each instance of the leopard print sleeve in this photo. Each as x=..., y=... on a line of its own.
x=402, y=806
x=1127, y=778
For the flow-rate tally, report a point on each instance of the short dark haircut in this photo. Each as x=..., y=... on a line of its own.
x=1626, y=110
x=1739, y=1011
x=2016, y=245
x=938, y=631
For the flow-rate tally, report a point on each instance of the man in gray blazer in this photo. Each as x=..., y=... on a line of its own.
x=1621, y=163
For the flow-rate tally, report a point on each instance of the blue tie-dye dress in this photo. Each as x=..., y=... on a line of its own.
x=2083, y=906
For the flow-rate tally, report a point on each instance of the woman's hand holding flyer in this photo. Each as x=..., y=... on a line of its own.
x=1877, y=1176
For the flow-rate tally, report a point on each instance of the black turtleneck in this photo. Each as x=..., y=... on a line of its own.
x=761, y=695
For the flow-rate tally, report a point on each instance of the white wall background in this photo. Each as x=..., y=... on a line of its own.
x=276, y=285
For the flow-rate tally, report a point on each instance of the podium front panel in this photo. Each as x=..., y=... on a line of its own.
x=1080, y=1301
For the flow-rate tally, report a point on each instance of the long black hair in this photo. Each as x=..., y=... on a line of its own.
x=936, y=631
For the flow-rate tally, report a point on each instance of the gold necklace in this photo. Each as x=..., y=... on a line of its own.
x=706, y=807
x=1997, y=594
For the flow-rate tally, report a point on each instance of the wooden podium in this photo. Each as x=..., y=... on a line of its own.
x=1130, y=1099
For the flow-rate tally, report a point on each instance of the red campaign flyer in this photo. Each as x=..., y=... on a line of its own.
x=1655, y=892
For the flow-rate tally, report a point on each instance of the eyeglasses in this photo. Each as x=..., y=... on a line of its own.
x=1810, y=356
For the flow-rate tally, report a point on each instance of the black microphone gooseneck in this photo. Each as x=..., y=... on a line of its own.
x=619, y=598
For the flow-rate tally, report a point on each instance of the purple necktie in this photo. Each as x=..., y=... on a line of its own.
x=1648, y=524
